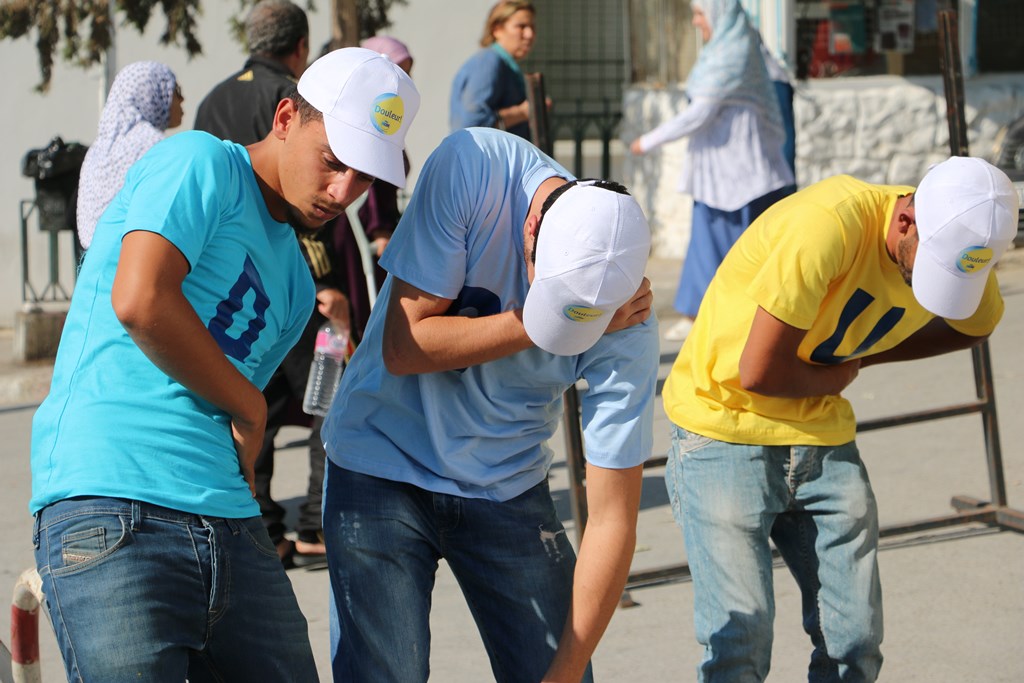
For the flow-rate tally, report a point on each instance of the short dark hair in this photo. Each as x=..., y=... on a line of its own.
x=307, y=112
x=275, y=27
x=562, y=189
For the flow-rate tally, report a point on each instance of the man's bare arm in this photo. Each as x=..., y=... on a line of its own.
x=934, y=339
x=148, y=301
x=419, y=337
x=613, y=500
x=769, y=364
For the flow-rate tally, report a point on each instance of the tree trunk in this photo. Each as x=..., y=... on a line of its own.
x=345, y=26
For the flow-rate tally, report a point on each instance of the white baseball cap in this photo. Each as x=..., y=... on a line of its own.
x=966, y=211
x=368, y=104
x=592, y=251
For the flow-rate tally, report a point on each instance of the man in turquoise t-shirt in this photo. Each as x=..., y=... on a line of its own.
x=508, y=281
x=154, y=561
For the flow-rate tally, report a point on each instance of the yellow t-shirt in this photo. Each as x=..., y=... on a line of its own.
x=817, y=261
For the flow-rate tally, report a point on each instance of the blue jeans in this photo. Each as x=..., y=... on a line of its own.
x=138, y=592
x=816, y=504
x=384, y=540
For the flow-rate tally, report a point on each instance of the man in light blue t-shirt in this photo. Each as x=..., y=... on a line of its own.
x=509, y=281
x=154, y=561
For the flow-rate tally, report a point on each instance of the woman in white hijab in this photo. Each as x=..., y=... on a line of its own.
x=144, y=101
x=735, y=167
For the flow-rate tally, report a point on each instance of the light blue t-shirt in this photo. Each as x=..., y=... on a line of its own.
x=489, y=81
x=481, y=432
x=116, y=425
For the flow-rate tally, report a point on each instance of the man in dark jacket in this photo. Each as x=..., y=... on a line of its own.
x=241, y=109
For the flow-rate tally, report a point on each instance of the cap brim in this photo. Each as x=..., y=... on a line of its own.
x=551, y=330
x=946, y=294
x=365, y=152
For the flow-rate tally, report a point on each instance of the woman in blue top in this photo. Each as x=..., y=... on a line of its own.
x=735, y=166
x=489, y=90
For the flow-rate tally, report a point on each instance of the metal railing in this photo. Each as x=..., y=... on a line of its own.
x=994, y=512
x=588, y=121
x=54, y=290
x=577, y=121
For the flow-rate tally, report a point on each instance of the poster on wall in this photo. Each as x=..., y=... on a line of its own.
x=895, y=26
x=847, y=30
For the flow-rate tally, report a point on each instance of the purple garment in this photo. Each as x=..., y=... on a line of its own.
x=379, y=216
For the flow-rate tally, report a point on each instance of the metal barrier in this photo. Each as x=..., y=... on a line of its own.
x=28, y=596
x=575, y=120
x=583, y=123
x=540, y=135
x=54, y=290
x=967, y=509
x=994, y=512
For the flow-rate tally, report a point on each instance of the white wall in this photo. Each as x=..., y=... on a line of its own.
x=883, y=129
x=439, y=38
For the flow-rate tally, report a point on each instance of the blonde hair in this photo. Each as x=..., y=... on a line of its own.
x=500, y=13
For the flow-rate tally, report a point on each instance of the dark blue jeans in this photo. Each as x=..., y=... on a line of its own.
x=138, y=592
x=384, y=540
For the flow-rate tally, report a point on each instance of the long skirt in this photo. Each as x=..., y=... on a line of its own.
x=712, y=234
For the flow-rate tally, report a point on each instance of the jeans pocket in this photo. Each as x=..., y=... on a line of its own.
x=256, y=532
x=687, y=443
x=87, y=541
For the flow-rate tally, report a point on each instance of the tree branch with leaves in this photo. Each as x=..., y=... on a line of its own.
x=80, y=31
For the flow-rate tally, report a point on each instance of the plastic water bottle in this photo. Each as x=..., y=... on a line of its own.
x=329, y=356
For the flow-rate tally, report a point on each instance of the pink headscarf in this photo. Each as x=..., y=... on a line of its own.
x=393, y=49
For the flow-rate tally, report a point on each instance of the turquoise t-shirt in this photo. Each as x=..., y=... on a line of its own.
x=481, y=432
x=114, y=424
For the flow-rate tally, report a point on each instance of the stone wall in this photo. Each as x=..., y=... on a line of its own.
x=882, y=129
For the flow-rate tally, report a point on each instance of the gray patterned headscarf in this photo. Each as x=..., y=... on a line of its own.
x=133, y=120
x=731, y=67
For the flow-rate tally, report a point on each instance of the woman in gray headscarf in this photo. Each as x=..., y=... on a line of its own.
x=144, y=101
x=735, y=167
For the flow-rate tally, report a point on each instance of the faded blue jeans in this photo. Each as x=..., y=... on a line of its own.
x=816, y=505
x=384, y=540
x=138, y=592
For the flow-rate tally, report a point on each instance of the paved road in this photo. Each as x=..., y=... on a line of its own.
x=954, y=599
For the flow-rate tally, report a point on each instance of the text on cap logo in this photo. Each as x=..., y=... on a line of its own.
x=387, y=113
x=974, y=258
x=582, y=314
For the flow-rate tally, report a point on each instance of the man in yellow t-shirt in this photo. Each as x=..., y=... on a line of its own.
x=841, y=275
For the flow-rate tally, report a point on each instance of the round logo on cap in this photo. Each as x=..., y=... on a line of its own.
x=974, y=258
x=582, y=314
x=387, y=113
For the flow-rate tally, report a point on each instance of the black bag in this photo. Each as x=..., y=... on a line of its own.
x=55, y=169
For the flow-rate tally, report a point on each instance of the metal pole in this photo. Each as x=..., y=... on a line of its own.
x=109, y=57
x=953, y=83
x=953, y=86
x=575, y=460
x=26, y=207
x=540, y=133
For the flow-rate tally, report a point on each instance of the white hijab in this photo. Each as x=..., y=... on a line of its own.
x=133, y=120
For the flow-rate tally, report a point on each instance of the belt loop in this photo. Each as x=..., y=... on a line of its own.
x=136, y=515
x=36, y=524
